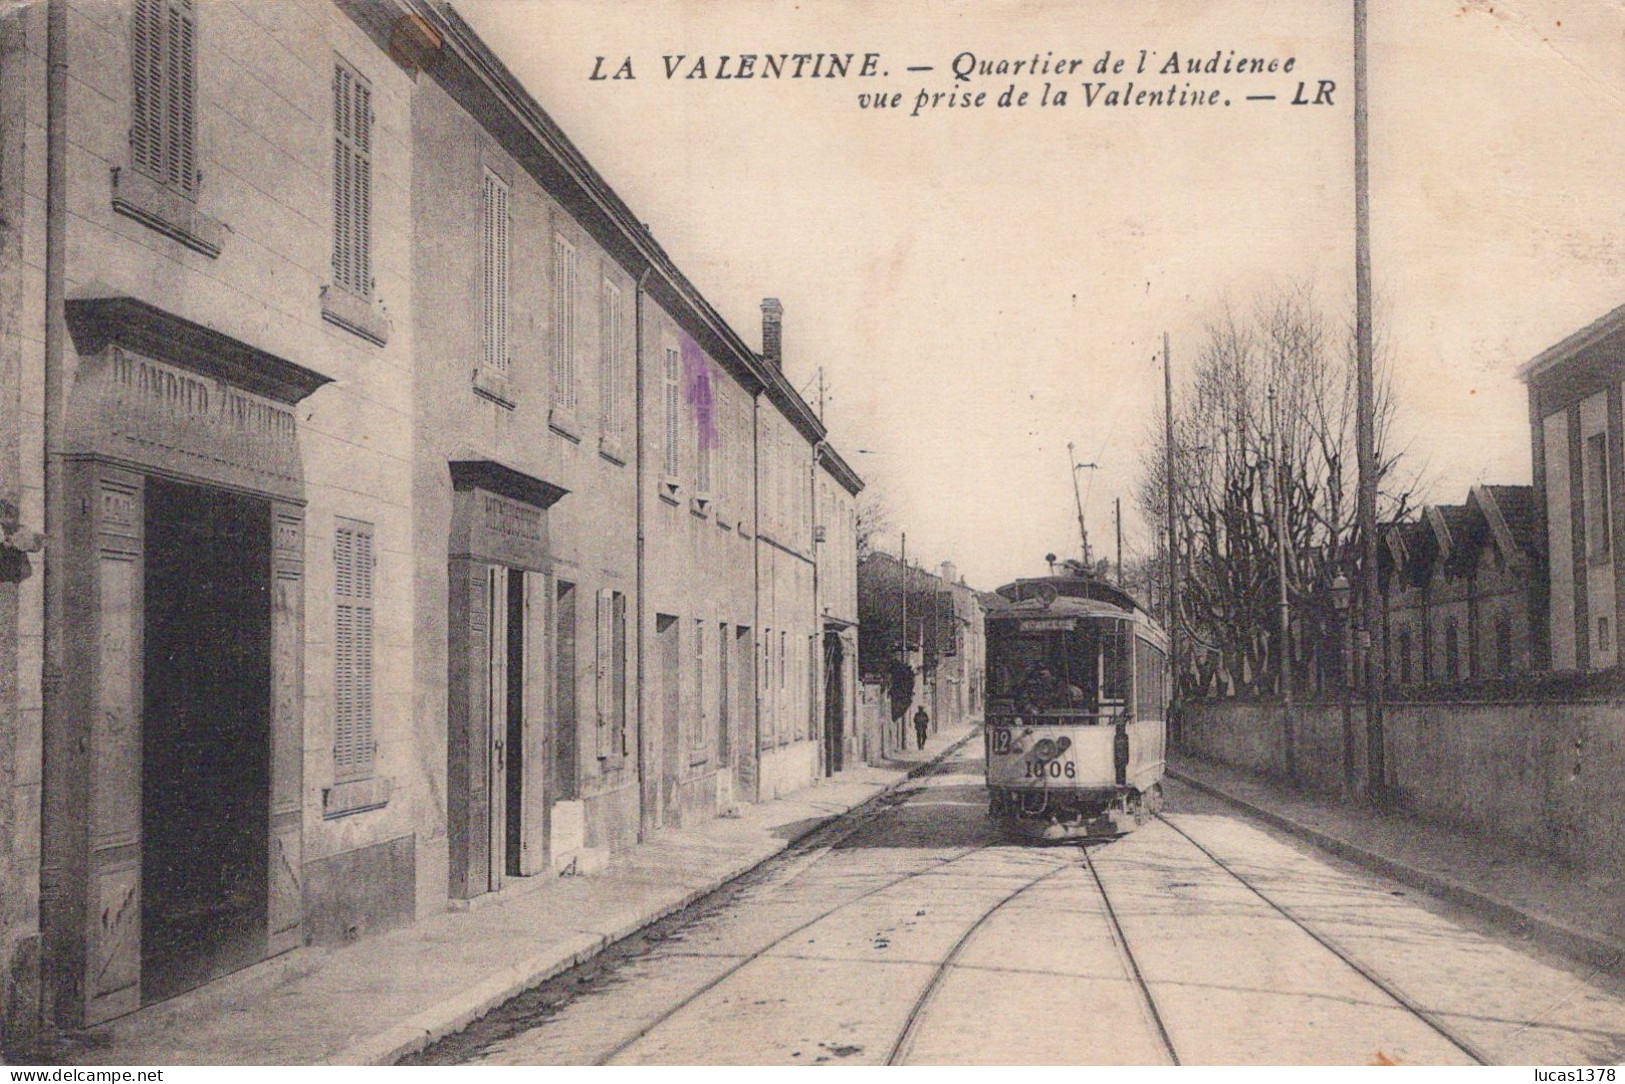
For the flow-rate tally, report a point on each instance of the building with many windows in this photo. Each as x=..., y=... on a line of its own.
x=215, y=718
x=1457, y=584
x=413, y=527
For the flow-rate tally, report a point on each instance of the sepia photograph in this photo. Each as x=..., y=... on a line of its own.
x=767, y=533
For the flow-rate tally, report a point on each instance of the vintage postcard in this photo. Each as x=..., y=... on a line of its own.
x=770, y=533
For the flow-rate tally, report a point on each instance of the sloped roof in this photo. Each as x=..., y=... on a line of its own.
x=1587, y=338
x=1412, y=547
x=1516, y=505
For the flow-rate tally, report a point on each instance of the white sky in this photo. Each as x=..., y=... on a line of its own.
x=982, y=287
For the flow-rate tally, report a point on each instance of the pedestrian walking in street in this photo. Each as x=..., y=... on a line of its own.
x=921, y=722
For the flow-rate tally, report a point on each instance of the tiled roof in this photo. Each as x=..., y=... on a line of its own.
x=1517, y=505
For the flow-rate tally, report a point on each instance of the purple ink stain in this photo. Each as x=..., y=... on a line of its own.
x=697, y=390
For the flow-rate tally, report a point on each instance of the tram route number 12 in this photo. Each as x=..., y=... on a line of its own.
x=1050, y=769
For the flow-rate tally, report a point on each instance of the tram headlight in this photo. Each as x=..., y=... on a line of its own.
x=1050, y=748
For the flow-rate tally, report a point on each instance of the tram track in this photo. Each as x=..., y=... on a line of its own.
x=905, y=1039
x=840, y=832
x=1120, y=937
x=745, y=961
x=911, y=1024
x=1398, y=996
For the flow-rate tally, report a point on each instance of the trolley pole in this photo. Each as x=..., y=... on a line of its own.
x=1173, y=563
x=1288, y=724
x=1376, y=772
x=1083, y=531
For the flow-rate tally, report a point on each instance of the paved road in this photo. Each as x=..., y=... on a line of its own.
x=912, y=932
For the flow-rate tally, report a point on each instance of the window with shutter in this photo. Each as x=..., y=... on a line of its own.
x=696, y=736
x=611, y=346
x=353, y=563
x=617, y=672
x=566, y=717
x=705, y=438
x=495, y=227
x=603, y=698
x=674, y=409
x=163, y=114
x=724, y=723
x=564, y=325
x=352, y=181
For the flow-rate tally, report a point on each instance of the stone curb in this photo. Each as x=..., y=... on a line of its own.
x=1597, y=950
x=456, y=1012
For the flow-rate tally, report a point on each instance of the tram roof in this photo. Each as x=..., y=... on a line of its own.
x=1080, y=595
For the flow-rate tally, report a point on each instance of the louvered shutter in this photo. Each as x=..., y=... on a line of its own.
x=163, y=114
x=704, y=430
x=181, y=99
x=697, y=734
x=724, y=696
x=361, y=121
x=673, y=410
x=496, y=227
x=146, y=68
x=609, y=389
x=352, y=181
x=343, y=187
x=353, y=560
x=617, y=673
x=564, y=324
x=560, y=333
x=603, y=672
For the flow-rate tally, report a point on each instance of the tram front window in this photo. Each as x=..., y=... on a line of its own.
x=1082, y=669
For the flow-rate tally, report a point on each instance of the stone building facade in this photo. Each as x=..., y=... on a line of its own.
x=415, y=526
x=836, y=542
x=1457, y=587
x=1576, y=429
x=942, y=645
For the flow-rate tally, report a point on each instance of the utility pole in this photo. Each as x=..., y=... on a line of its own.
x=820, y=394
x=1288, y=734
x=902, y=632
x=1168, y=485
x=1083, y=531
x=902, y=563
x=1117, y=518
x=1376, y=772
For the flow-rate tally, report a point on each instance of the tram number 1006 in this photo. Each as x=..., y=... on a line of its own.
x=1050, y=769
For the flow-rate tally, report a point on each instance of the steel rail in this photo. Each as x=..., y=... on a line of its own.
x=1398, y=996
x=1120, y=938
x=905, y=1039
x=745, y=961
x=644, y=1031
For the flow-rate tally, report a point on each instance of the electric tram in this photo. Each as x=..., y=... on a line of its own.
x=1077, y=704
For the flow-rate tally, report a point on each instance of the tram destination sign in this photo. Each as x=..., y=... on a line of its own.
x=1049, y=624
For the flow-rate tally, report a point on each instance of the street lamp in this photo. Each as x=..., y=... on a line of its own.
x=1340, y=603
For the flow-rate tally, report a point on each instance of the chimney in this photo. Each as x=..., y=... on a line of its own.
x=950, y=574
x=773, y=332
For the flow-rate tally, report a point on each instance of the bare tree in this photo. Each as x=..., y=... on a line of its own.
x=873, y=519
x=1224, y=488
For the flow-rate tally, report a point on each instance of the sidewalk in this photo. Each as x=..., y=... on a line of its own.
x=377, y=1000
x=1565, y=910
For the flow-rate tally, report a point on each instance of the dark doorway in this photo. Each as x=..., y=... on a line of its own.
x=565, y=726
x=671, y=733
x=834, y=704
x=744, y=713
x=515, y=775
x=206, y=735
